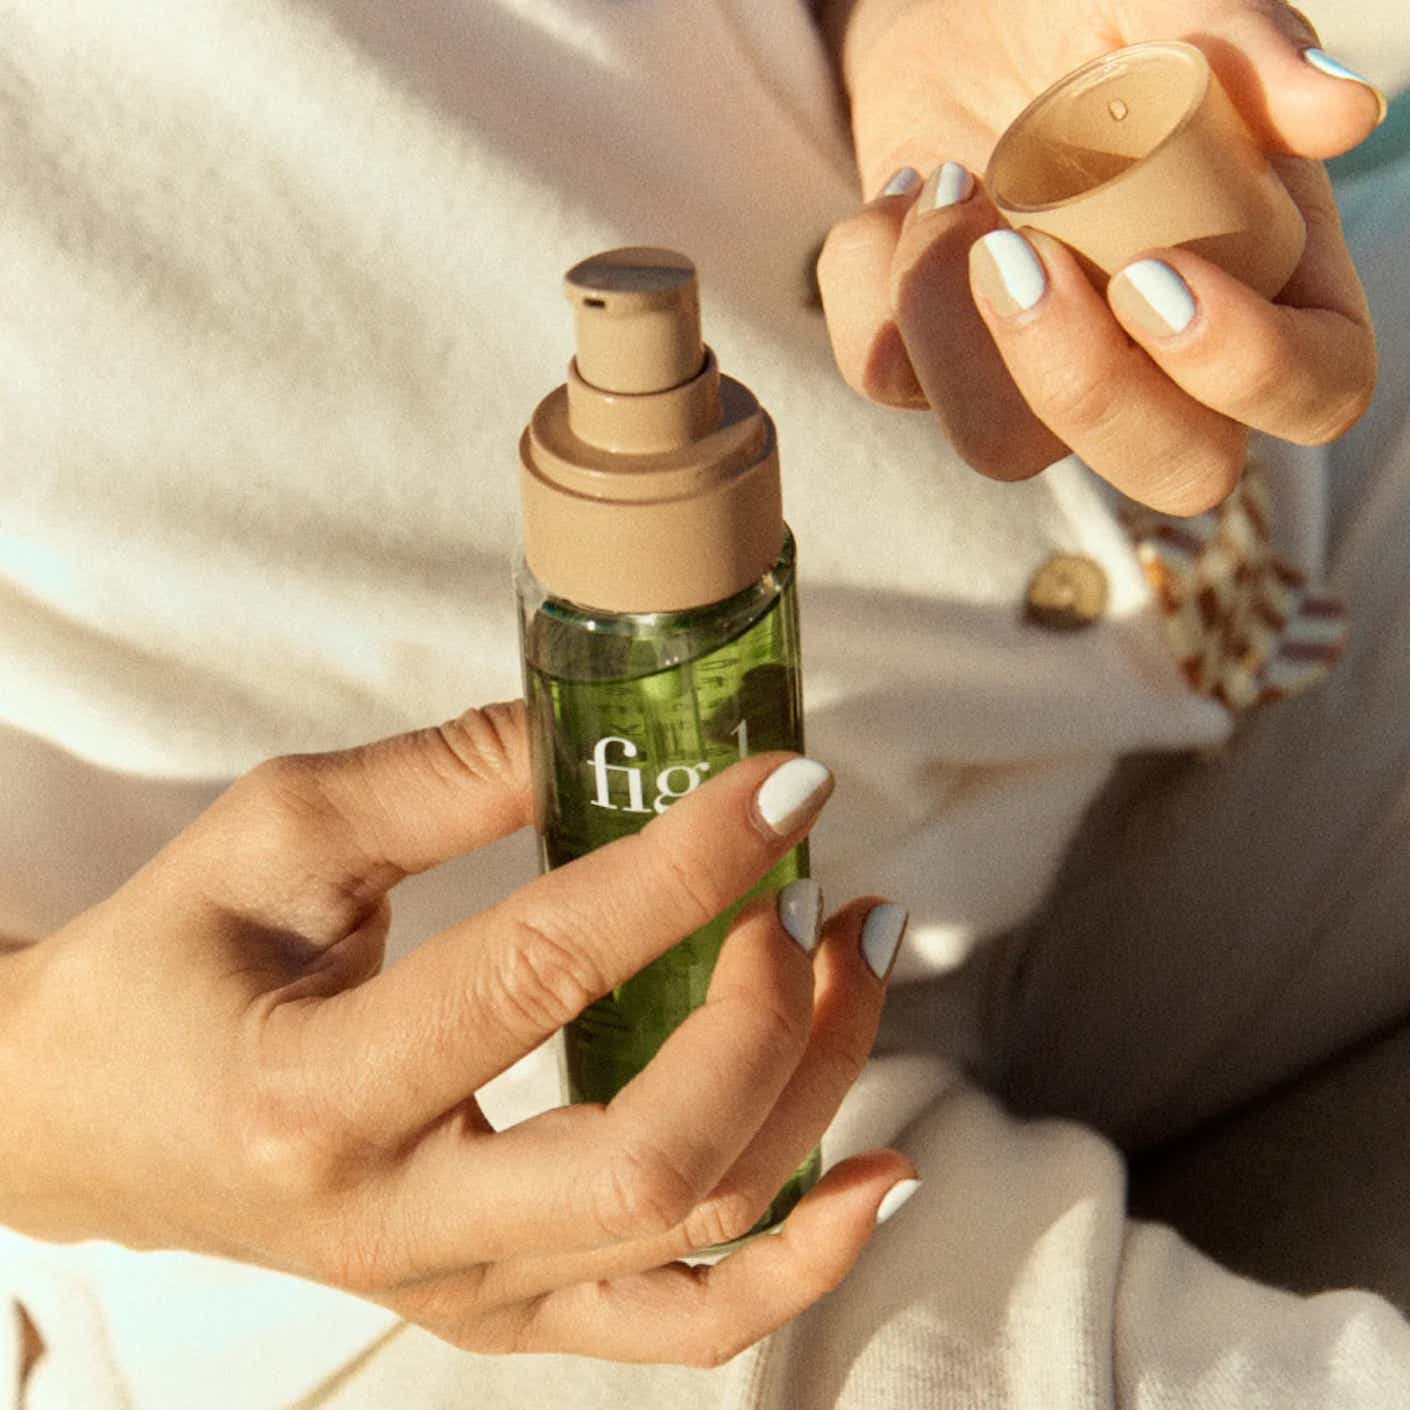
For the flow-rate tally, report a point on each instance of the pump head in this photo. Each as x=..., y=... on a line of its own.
x=650, y=482
x=638, y=320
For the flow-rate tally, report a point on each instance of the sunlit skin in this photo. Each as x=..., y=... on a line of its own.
x=214, y=1059
x=1166, y=420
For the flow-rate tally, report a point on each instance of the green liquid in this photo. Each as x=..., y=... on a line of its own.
x=630, y=712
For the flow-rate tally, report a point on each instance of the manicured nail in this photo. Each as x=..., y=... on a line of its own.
x=953, y=185
x=895, y=1199
x=1152, y=296
x=1334, y=68
x=902, y=182
x=1008, y=272
x=800, y=910
x=792, y=794
x=881, y=937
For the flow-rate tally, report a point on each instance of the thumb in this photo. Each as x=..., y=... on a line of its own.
x=1297, y=98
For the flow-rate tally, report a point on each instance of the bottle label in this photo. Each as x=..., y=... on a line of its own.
x=672, y=782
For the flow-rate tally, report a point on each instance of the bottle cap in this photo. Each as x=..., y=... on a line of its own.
x=637, y=320
x=650, y=482
x=1142, y=148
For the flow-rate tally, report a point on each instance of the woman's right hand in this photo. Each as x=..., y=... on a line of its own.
x=916, y=292
x=212, y=1058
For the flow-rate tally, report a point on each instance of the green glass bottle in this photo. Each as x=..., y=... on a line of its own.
x=658, y=618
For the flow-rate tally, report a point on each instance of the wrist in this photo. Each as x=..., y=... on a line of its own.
x=20, y=1185
x=852, y=29
x=37, y=1193
x=893, y=57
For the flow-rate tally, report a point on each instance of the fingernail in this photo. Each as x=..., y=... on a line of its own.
x=954, y=184
x=1334, y=68
x=881, y=937
x=895, y=1199
x=792, y=794
x=1008, y=272
x=1153, y=296
x=800, y=909
x=902, y=182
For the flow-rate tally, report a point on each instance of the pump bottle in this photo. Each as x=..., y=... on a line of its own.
x=658, y=616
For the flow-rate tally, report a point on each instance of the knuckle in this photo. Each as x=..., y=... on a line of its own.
x=641, y=1191
x=287, y=788
x=1197, y=484
x=1263, y=379
x=1321, y=214
x=1344, y=412
x=1278, y=392
x=840, y=1058
x=1080, y=399
x=676, y=882
x=488, y=744
x=292, y=1150
x=306, y=1169
x=1193, y=476
x=304, y=854
x=542, y=978
x=724, y=1217
x=284, y=809
x=295, y=1142
x=284, y=1165
x=781, y=1032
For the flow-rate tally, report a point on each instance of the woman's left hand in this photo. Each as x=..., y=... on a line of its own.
x=212, y=1058
x=919, y=316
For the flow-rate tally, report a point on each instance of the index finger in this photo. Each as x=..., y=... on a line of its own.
x=854, y=280
x=310, y=843
x=470, y=1002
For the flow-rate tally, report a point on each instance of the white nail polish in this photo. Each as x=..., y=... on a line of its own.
x=1334, y=68
x=902, y=182
x=1018, y=264
x=953, y=184
x=800, y=907
x=881, y=937
x=895, y=1199
x=791, y=793
x=1167, y=294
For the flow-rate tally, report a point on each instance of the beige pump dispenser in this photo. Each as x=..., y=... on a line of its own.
x=658, y=623
x=650, y=482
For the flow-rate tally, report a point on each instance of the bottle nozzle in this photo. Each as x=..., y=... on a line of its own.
x=638, y=320
x=650, y=481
